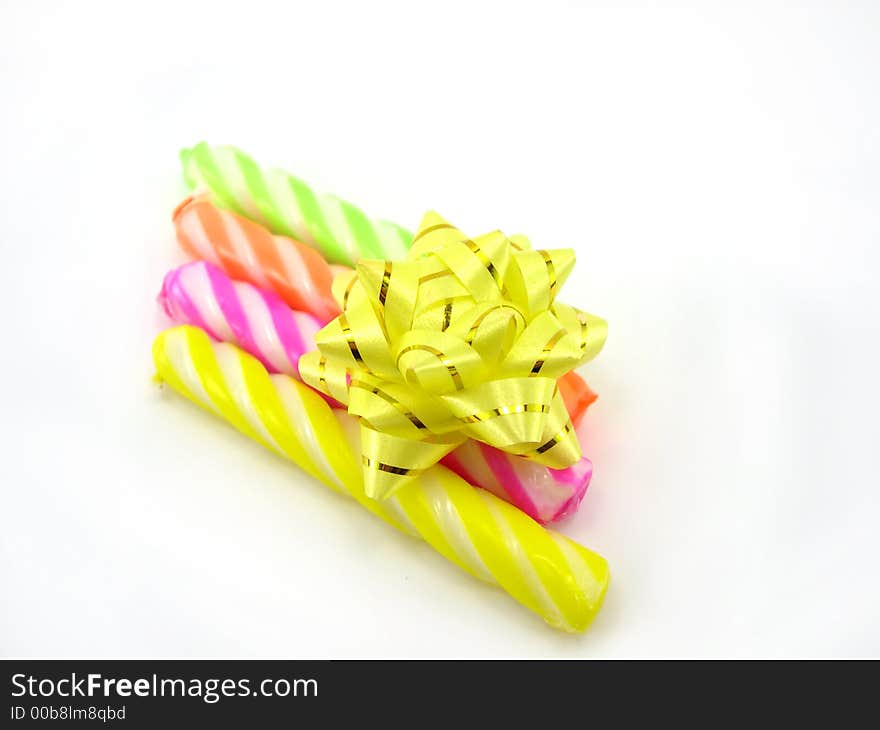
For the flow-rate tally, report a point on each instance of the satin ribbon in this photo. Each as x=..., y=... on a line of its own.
x=463, y=339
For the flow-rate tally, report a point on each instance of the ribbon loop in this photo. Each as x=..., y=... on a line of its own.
x=546, y=347
x=413, y=414
x=438, y=362
x=538, y=276
x=510, y=414
x=491, y=329
x=389, y=460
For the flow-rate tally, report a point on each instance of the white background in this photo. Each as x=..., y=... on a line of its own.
x=716, y=170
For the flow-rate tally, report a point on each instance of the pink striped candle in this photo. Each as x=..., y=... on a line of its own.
x=257, y=320
x=546, y=495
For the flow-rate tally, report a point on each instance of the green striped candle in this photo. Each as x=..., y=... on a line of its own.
x=288, y=206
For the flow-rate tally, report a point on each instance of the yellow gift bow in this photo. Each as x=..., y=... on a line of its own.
x=463, y=339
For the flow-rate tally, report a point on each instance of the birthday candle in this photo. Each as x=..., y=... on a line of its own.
x=247, y=251
x=546, y=572
x=255, y=319
x=286, y=205
x=544, y=494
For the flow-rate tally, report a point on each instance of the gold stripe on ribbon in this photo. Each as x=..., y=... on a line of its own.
x=484, y=259
x=352, y=345
x=548, y=348
x=447, y=316
x=322, y=373
x=386, y=280
x=435, y=275
x=555, y=440
x=551, y=271
x=354, y=280
x=472, y=332
x=381, y=466
x=450, y=366
x=583, y=320
x=506, y=411
x=412, y=417
x=430, y=229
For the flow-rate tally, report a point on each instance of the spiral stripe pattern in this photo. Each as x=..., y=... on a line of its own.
x=288, y=206
x=544, y=494
x=248, y=252
x=549, y=574
x=255, y=319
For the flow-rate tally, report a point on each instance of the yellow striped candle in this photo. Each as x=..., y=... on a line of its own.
x=551, y=575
